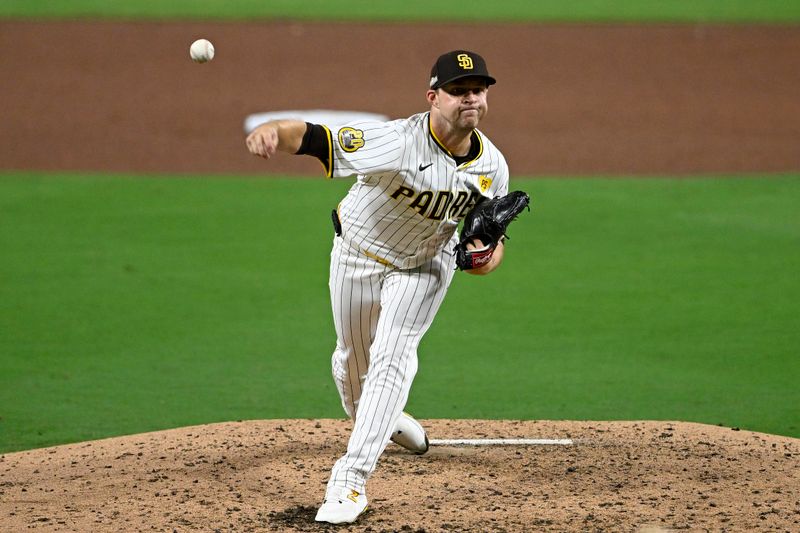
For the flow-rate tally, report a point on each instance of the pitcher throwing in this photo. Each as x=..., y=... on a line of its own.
x=395, y=250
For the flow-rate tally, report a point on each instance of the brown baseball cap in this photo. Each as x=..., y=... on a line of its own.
x=456, y=65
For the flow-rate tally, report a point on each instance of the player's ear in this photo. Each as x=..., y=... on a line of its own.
x=432, y=97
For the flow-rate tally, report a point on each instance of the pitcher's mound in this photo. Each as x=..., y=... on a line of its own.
x=270, y=475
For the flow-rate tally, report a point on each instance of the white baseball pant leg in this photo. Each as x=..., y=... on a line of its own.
x=380, y=314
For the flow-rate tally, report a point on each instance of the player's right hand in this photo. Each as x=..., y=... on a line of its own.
x=263, y=141
x=492, y=256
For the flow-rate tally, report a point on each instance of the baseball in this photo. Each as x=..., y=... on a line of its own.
x=201, y=51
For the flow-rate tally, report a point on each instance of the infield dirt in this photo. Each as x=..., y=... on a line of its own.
x=670, y=100
x=270, y=475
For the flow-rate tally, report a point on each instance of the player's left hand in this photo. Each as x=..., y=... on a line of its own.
x=263, y=141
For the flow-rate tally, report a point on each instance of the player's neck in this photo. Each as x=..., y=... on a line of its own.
x=457, y=141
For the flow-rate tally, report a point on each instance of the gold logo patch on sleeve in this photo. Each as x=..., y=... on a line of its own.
x=351, y=139
x=484, y=182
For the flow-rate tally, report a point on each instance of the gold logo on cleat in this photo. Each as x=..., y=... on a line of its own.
x=353, y=496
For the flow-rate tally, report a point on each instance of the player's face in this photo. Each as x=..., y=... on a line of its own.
x=463, y=102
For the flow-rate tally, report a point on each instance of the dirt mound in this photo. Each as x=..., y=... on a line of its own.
x=270, y=475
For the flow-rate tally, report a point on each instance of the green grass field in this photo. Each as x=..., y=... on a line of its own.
x=780, y=11
x=130, y=304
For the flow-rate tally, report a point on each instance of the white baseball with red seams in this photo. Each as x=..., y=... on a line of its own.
x=201, y=51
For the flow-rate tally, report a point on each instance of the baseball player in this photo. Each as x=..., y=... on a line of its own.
x=393, y=251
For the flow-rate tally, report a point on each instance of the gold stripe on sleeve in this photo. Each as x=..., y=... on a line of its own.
x=329, y=169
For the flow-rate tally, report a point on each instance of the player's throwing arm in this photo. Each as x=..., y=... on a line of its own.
x=283, y=135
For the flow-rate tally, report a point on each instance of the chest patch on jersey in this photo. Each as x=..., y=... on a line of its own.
x=351, y=139
x=484, y=182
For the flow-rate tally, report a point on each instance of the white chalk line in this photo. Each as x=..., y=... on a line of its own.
x=501, y=442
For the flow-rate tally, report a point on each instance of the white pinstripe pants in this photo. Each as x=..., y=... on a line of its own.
x=380, y=314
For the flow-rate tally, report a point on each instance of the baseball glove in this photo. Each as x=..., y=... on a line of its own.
x=488, y=221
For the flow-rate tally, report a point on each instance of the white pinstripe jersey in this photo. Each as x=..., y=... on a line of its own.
x=410, y=194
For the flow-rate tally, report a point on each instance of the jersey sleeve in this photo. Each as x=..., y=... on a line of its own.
x=502, y=186
x=362, y=148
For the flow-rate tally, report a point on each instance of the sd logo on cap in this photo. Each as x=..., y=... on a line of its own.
x=456, y=65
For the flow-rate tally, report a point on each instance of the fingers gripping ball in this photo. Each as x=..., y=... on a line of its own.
x=201, y=51
x=487, y=223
